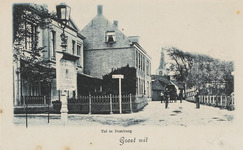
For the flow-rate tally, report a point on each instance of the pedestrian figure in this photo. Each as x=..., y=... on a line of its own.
x=161, y=96
x=197, y=100
x=167, y=98
x=180, y=96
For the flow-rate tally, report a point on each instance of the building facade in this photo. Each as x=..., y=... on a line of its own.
x=107, y=48
x=48, y=37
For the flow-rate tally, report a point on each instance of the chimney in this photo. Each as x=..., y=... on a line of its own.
x=99, y=9
x=134, y=39
x=115, y=22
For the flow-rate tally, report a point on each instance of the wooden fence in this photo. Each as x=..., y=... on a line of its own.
x=213, y=100
x=88, y=104
x=105, y=104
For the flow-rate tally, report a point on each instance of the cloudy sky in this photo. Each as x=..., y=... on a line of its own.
x=207, y=27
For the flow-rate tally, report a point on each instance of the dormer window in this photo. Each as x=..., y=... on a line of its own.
x=110, y=37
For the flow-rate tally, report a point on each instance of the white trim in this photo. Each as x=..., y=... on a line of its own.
x=142, y=52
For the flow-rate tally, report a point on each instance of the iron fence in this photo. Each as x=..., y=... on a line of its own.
x=35, y=100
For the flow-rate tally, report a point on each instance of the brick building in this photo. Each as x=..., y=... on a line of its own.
x=106, y=48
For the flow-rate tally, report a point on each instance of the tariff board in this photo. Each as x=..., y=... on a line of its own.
x=66, y=74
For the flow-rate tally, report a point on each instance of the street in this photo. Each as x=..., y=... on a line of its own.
x=181, y=126
x=154, y=114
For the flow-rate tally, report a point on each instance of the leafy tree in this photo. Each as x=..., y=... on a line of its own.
x=228, y=77
x=201, y=71
x=128, y=83
x=27, y=20
x=197, y=70
x=183, y=63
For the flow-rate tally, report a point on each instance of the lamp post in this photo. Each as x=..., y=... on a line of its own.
x=63, y=15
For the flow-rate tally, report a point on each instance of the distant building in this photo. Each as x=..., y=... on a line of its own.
x=163, y=79
x=159, y=84
x=162, y=70
x=107, y=48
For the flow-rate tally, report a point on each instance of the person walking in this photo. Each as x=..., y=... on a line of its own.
x=161, y=96
x=197, y=100
x=167, y=97
x=180, y=96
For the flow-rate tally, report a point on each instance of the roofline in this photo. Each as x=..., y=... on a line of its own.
x=176, y=84
x=107, y=48
x=71, y=19
x=89, y=76
x=81, y=36
x=135, y=44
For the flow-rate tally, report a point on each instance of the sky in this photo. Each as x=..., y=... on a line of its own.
x=206, y=27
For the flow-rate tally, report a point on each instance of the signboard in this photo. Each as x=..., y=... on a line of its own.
x=66, y=73
x=117, y=76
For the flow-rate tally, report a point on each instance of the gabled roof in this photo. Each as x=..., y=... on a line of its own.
x=180, y=86
x=72, y=25
x=161, y=78
x=159, y=82
x=95, y=32
x=156, y=85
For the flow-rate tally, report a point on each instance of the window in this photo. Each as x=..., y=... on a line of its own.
x=147, y=67
x=79, y=54
x=74, y=94
x=110, y=37
x=143, y=63
x=147, y=93
x=53, y=40
x=30, y=36
x=136, y=58
x=73, y=47
x=140, y=61
x=79, y=50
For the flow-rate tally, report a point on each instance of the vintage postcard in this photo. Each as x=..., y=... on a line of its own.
x=121, y=74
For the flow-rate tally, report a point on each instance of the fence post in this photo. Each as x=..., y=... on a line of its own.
x=221, y=100
x=49, y=110
x=225, y=99
x=111, y=105
x=89, y=104
x=131, y=102
x=44, y=103
x=26, y=115
x=24, y=100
